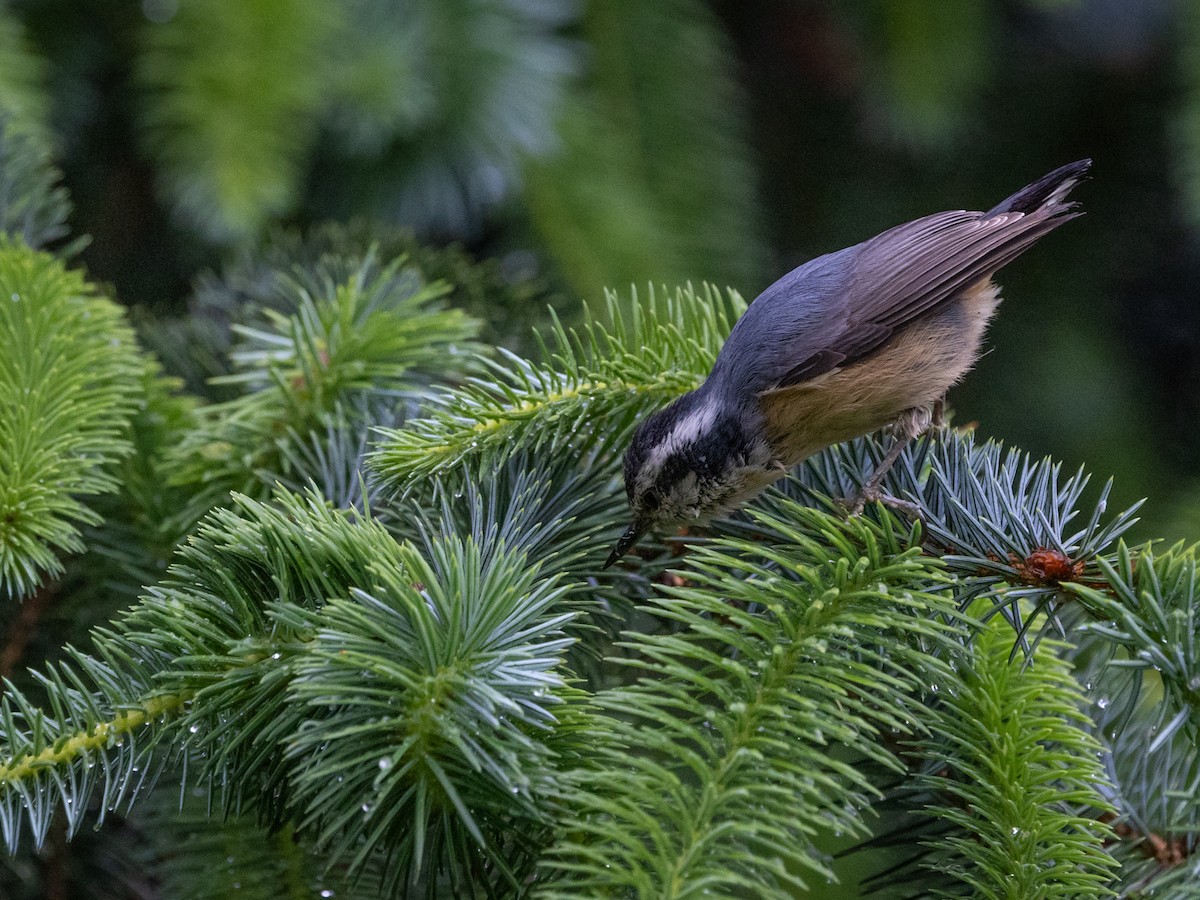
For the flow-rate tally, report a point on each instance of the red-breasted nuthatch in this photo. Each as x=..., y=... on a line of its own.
x=850, y=342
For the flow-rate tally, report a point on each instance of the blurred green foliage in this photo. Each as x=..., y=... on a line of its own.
x=229, y=157
x=654, y=180
x=22, y=75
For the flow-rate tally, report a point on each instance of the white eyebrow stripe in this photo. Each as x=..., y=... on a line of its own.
x=696, y=423
x=687, y=430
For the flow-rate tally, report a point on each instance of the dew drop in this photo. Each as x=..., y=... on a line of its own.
x=384, y=764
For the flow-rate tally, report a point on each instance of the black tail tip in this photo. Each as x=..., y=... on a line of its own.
x=1051, y=188
x=1076, y=169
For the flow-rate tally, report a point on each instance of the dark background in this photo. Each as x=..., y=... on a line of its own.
x=590, y=145
x=1096, y=351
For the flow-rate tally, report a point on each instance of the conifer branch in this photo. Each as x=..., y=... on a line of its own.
x=1015, y=772
x=97, y=732
x=780, y=651
x=68, y=748
x=1149, y=606
x=1004, y=523
x=69, y=384
x=442, y=683
x=202, y=636
x=350, y=337
x=562, y=512
x=590, y=386
x=1141, y=664
x=197, y=347
x=287, y=654
x=391, y=682
x=441, y=106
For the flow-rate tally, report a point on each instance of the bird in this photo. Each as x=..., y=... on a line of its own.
x=850, y=342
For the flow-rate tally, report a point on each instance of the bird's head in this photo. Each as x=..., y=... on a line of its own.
x=689, y=462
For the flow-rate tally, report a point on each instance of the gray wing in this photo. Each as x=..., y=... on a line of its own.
x=911, y=269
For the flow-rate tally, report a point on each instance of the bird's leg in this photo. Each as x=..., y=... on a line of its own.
x=911, y=423
x=938, y=418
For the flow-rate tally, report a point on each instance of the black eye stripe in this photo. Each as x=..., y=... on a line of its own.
x=674, y=469
x=713, y=452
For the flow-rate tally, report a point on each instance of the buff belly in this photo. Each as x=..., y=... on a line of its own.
x=913, y=369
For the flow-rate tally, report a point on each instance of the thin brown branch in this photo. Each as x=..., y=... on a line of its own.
x=55, y=864
x=22, y=628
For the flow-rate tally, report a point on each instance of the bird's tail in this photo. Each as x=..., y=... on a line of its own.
x=1049, y=190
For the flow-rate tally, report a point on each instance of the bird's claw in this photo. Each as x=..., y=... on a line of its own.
x=853, y=506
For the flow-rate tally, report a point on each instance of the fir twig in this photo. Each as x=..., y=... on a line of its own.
x=724, y=747
x=69, y=384
x=341, y=340
x=1004, y=523
x=1014, y=770
x=592, y=385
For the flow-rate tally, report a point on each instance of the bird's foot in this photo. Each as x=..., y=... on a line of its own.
x=853, y=506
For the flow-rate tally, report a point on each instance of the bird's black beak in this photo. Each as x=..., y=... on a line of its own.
x=632, y=535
